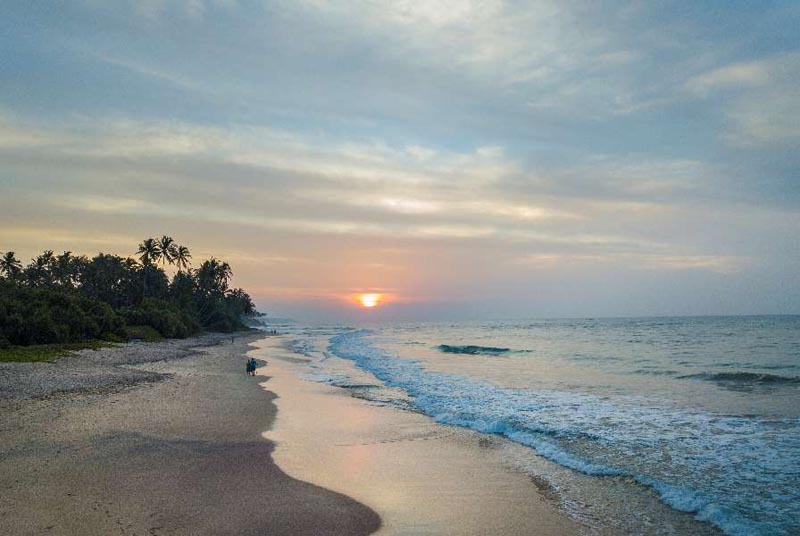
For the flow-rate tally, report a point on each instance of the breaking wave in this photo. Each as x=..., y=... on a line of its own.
x=743, y=377
x=735, y=472
x=472, y=349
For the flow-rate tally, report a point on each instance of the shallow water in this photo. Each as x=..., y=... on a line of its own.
x=701, y=413
x=421, y=477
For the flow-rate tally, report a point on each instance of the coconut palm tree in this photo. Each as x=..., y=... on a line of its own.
x=167, y=246
x=40, y=271
x=46, y=259
x=181, y=257
x=224, y=273
x=149, y=251
x=212, y=276
x=10, y=265
x=64, y=269
x=241, y=302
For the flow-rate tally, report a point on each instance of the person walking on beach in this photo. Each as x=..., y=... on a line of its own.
x=251, y=367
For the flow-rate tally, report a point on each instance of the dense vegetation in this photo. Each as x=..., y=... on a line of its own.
x=72, y=299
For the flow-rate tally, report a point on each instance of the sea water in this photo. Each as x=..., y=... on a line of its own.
x=702, y=414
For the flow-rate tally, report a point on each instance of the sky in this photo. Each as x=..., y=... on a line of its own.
x=463, y=158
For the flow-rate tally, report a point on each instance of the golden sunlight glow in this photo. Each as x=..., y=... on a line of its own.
x=369, y=300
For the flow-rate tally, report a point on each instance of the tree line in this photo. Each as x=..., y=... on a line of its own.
x=72, y=298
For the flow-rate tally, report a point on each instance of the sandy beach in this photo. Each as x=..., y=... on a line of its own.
x=98, y=444
x=421, y=477
x=174, y=438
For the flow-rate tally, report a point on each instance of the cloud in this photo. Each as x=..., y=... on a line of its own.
x=765, y=104
x=737, y=76
x=546, y=55
x=723, y=264
x=14, y=135
x=271, y=179
x=641, y=176
x=423, y=146
x=154, y=11
x=160, y=75
x=767, y=118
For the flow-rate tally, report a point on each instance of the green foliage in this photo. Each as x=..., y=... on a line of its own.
x=111, y=279
x=10, y=266
x=182, y=290
x=216, y=317
x=224, y=312
x=66, y=298
x=42, y=316
x=167, y=318
x=145, y=333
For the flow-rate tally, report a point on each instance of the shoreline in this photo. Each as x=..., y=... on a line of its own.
x=419, y=476
x=154, y=438
x=336, y=419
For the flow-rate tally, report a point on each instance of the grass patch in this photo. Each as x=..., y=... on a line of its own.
x=46, y=352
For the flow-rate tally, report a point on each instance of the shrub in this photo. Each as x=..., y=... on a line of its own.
x=145, y=333
x=166, y=318
x=42, y=316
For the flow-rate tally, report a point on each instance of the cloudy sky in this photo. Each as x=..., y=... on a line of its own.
x=466, y=158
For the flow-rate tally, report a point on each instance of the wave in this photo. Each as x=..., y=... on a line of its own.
x=655, y=372
x=599, y=437
x=301, y=346
x=472, y=349
x=743, y=377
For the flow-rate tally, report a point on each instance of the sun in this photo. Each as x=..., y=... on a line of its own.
x=369, y=300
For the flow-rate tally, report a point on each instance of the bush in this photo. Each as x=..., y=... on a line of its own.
x=166, y=318
x=145, y=333
x=221, y=314
x=113, y=337
x=42, y=316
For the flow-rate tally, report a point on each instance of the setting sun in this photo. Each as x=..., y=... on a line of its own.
x=369, y=300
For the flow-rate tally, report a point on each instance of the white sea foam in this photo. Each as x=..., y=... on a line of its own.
x=738, y=473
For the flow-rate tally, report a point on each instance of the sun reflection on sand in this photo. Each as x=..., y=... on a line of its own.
x=420, y=477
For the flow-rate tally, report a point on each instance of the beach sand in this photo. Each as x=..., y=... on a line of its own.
x=128, y=454
x=119, y=442
x=421, y=477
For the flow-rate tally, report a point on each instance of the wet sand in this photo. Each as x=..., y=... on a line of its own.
x=421, y=477
x=183, y=455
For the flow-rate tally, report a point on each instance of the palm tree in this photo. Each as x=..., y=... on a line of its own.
x=64, y=269
x=224, y=273
x=10, y=265
x=149, y=251
x=212, y=276
x=242, y=303
x=46, y=259
x=181, y=257
x=130, y=264
x=167, y=246
x=40, y=271
x=204, y=276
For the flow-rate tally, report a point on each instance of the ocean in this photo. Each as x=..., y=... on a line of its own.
x=701, y=414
